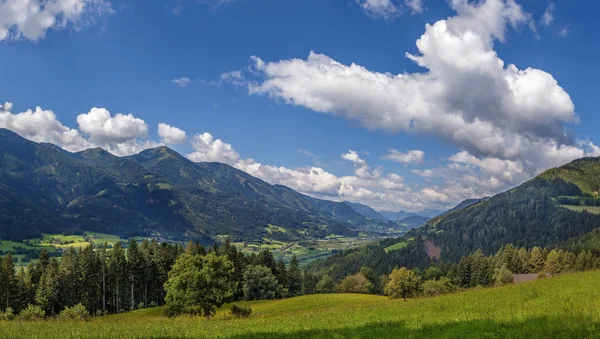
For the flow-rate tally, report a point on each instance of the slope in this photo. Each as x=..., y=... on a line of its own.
x=44, y=188
x=366, y=211
x=531, y=214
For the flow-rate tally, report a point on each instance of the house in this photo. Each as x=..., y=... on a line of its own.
x=56, y=241
x=521, y=278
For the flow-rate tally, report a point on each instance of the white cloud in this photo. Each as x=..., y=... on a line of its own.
x=181, y=82
x=207, y=149
x=119, y=135
x=548, y=15
x=415, y=6
x=171, y=135
x=30, y=19
x=42, y=126
x=410, y=157
x=563, y=32
x=379, y=9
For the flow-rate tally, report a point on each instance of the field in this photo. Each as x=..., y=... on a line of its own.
x=306, y=250
x=63, y=242
x=590, y=209
x=563, y=307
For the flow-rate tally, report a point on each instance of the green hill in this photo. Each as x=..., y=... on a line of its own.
x=561, y=307
x=537, y=213
x=45, y=189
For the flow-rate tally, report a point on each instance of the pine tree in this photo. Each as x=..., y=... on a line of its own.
x=294, y=281
x=8, y=282
x=536, y=260
x=48, y=289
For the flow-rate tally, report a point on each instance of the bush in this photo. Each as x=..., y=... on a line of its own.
x=355, y=284
x=240, y=311
x=432, y=288
x=77, y=312
x=31, y=313
x=7, y=315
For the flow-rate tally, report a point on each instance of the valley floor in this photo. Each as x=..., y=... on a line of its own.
x=563, y=307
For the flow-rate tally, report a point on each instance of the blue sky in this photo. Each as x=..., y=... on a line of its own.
x=325, y=124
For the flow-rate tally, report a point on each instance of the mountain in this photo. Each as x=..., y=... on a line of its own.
x=413, y=221
x=44, y=188
x=399, y=215
x=344, y=212
x=466, y=203
x=366, y=211
x=560, y=206
x=430, y=213
x=395, y=216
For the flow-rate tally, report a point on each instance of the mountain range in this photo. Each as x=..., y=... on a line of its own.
x=399, y=215
x=44, y=188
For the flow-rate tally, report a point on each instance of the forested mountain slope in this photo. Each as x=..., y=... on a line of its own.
x=532, y=214
x=44, y=188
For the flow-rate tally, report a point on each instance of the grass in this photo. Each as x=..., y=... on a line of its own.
x=562, y=307
x=396, y=246
x=590, y=209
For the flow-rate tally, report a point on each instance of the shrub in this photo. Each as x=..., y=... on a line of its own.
x=240, y=311
x=77, y=312
x=433, y=288
x=7, y=315
x=357, y=283
x=31, y=313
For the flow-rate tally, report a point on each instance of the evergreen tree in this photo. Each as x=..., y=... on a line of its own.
x=294, y=277
x=536, y=260
x=47, y=294
x=8, y=283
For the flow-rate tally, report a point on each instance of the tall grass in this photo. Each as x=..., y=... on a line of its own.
x=562, y=307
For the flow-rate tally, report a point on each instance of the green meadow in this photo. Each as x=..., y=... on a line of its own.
x=563, y=307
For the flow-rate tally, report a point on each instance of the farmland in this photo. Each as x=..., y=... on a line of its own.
x=561, y=307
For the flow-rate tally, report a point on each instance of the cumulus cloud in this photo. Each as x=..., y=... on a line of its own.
x=207, y=149
x=31, y=19
x=120, y=135
x=182, y=82
x=493, y=111
x=41, y=126
x=171, y=135
x=410, y=157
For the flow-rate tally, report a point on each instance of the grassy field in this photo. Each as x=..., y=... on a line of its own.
x=396, y=246
x=590, y=209
x=562, y=307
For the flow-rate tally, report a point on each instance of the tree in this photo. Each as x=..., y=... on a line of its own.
x=198, y=284
x=260, y=283
x=48, y=288
x=8, y=281
x=294, y=277
x=136, y=266
x=326, y=285
x=356, y=283
x=536, y=260
x=118, y=277
x=502, y=275
x=433, y=288
x=309, y=283
x=403, y=284
x=553, y=262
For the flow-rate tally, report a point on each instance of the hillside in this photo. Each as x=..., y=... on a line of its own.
x=45, y=189
x=562, y=307
x=413, y=221
x=366, y=211
x=399, y=215
x=533, y=214
x=344, y=212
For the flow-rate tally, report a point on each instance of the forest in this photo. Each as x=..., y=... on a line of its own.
x=196, y=280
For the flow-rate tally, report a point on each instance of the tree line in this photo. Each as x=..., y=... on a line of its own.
x=196, y=280
x=474, y=270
